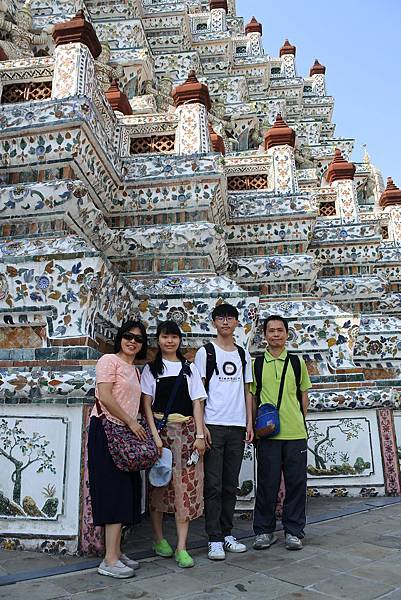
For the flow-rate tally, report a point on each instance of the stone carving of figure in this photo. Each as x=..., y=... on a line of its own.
x=102, y=67
x=304, y=158
x=147, y=88
x=106, y=72
x=21, y=37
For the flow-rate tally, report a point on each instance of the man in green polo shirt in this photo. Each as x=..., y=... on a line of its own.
x=285, y=452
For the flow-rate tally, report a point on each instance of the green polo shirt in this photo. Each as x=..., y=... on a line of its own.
x=291, y=420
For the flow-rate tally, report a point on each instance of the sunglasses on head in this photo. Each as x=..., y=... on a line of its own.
x=133, y=336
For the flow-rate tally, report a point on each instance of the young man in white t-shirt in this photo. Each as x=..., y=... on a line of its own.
x=227, y=372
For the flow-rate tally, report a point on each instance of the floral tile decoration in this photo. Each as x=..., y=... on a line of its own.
x=157, y=161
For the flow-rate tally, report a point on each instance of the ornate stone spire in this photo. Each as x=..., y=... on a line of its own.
x=339, y=168
x=280, y=134
x=191, y=92
x=217, y=140
x=287, y=48
x=317, y=69
x=253, y=27
x=118, y=100
x=366, y=157
x=218, y=4
x=77, y=30
x=391, y=195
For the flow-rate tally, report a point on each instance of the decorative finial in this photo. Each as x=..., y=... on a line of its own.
x=287, y=48
x=391, y=195
x=317, y=69
x=253, y=27
x=192, y=78
x=214, y=4
x=77, y=30
x=280, y=134
x=339, y=168
x=118, y=100
x=192, y=92
x=217, y=140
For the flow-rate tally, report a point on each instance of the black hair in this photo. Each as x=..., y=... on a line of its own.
x=225, y=310
x=127, y=326
x=157, y=366
x=275, y=318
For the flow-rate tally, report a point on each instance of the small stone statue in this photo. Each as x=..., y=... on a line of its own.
x=21, y=37
x=105, y=71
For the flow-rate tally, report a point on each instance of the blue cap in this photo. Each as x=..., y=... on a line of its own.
x=161, y=472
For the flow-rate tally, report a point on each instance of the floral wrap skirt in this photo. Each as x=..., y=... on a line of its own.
x=184, y=494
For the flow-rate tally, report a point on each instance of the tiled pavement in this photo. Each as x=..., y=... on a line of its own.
x=356, y=556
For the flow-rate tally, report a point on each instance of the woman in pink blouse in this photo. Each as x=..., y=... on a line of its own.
x=116, y=494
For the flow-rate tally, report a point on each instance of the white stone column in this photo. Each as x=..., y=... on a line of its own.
x=283, y=170
x=346, y=202
x=74, y=71
x=288, y=69
x=218, y=20
x=394, y=223
x=319, y=84
x=192, y=133
x=254, y=44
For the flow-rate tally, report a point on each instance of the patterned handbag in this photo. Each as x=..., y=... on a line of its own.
x=128, y=452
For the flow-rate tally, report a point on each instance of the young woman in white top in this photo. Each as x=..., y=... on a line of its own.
x=183, y=434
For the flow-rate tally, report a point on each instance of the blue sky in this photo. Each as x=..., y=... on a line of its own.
x=359, y=42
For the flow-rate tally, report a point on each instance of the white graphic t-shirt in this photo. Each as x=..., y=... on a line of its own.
x=225, y=403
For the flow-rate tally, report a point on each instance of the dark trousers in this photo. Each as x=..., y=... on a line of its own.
x=222, y=466
x=274, y=456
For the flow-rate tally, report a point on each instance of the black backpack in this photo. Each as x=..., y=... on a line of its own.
x=296, y=367
x=211, y=362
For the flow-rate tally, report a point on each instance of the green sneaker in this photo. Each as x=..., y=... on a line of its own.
x=184, y=559
x=163, y=549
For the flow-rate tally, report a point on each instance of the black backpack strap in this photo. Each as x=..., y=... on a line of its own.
x=186, y=367
x=296, y=367
x=282, y=381
x=211, y=363
x=242, y=356
x=258, y=370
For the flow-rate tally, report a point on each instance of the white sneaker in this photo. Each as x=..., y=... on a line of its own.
x=119, y=570
x=231, y=545
x=216, y=551
x=129, y=562
x=292, y=542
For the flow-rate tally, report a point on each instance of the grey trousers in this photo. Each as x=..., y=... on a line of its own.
x=222, y=466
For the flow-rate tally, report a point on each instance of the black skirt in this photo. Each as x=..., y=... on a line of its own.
x=115, y=494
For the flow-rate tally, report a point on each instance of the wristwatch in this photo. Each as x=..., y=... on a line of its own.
x=200, y=436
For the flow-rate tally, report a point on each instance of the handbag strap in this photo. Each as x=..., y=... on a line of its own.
x=180, y=377
x=98, y=407
x=281, y=389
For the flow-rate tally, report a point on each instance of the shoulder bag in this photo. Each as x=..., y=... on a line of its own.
x=128, y=452
x=267, y=421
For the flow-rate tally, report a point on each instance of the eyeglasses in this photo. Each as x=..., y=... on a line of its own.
x=222, y=319
x=133, y=336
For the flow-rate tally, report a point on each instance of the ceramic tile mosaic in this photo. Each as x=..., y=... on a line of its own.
x=93, y=232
